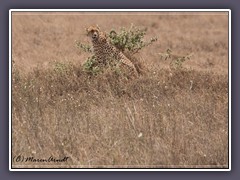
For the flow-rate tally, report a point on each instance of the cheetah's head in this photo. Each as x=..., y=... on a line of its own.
x=93, y=32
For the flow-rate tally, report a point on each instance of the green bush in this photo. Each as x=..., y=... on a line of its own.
x=176, y=61
x=129, y=41
x=91, y=66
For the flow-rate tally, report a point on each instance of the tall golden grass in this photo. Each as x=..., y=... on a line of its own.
x=162, y=119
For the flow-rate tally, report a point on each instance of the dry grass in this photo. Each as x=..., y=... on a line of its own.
x=164, y=118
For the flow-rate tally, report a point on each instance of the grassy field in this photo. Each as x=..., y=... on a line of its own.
x=175, y=118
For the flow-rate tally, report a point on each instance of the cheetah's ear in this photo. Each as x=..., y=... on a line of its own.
x=87, y=29
x=98, y=27
x=105, y=34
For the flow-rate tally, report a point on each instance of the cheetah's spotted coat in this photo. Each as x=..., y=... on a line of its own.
x=103, y=50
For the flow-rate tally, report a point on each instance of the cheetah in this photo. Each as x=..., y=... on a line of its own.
x=103, y=49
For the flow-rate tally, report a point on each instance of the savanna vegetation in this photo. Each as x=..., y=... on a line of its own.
x=173, y=115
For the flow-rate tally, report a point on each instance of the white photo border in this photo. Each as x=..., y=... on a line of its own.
x=120, y=169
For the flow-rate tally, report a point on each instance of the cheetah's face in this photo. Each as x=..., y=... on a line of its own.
x=93, y=32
